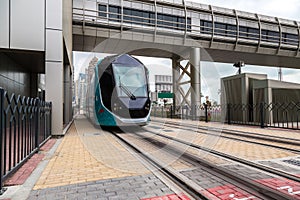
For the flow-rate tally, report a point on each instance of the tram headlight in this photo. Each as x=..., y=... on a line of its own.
x=147, y=107
x=115, y=108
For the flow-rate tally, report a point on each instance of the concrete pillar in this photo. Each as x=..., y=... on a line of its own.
x=195, y=81
x=245, y=96
x=54, y=93
x=175, y=76
x=54, y=76
x=268, y=101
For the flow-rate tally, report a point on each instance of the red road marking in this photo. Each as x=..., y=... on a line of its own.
x=284, y=185
x=228, y=192
x=169, y=197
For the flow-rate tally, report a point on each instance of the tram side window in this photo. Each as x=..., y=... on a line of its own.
x=114, y=13
x=220, y=29
x=159, y=19
x=206, y=27
x=143, y=17
x=146, y=18
x=152, y=18
x=127, y=15
x=102, y=10
x=290, y=39
x=231, y=30
x=181, y=23
x=243, y=32
x=137, y=17
x=269, y=36
x=189, y=22
x=253, y=34
x=264, y=35
x=168, y=21
x=273, y=36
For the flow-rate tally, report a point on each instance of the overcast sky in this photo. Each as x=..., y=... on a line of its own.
x=212, y=72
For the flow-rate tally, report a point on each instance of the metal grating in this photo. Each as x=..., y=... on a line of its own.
x=91, y=134
x=292, y=162
x=167, y=130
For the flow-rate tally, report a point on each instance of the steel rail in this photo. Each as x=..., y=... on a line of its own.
x=175, y=177
x=233, y=158
x=243, y=140
x=257, y=189
x=260, y=190
x=277, y=139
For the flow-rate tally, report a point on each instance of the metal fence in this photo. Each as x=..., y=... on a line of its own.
x=25, y=125
x=199, y=112
x=278, y=115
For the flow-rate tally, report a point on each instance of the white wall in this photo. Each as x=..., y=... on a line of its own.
x=54, y=93
x=4, y=21
x=54, y=13
x=54, y=45
x=27, y=28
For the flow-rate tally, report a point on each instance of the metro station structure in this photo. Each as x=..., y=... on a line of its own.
x=38, y=37
x=183, y=30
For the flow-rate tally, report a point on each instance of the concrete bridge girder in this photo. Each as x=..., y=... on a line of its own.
x=91, y=37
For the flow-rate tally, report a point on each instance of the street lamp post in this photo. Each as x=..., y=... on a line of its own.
x=239, y=65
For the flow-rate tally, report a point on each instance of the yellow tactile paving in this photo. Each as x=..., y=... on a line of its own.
x=106, y=149
x=73, y=163
x=240, y=149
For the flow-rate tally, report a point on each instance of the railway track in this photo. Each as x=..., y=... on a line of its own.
x=234, y=158
x=291, y=145
x=138, y=141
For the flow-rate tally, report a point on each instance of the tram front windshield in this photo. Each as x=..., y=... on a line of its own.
x=130, y=81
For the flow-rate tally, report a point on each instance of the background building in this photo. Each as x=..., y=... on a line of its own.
x=246, y=92
x=82, y=83
x=91, y=67
x=163, y=83
x=81, y=91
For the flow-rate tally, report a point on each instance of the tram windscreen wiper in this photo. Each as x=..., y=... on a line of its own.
x=126, y=90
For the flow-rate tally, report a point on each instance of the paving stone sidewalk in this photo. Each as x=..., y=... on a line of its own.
x=89, y=164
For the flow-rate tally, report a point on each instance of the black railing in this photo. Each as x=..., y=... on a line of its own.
x=198, y=112
x=25, y=125
x=278, y=115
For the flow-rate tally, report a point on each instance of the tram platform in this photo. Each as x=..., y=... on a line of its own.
x=89, y=163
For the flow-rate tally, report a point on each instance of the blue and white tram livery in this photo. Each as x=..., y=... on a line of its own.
x=118, y=93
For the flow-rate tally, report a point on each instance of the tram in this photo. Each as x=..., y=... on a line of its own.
x=118, y=93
